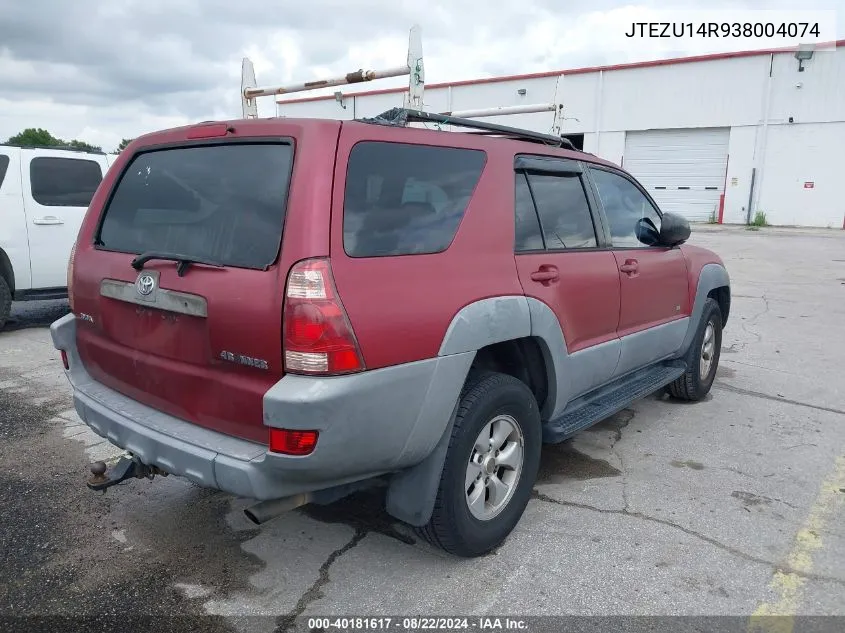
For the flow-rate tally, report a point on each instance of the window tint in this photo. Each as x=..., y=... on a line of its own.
x=406, y=199
x=4, y=164
x=564, y=211
x=528, y=234
x=64, y=182
x=224, y=203
x=624, y=205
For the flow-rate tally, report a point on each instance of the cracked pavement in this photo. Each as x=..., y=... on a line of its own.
x=664, y=509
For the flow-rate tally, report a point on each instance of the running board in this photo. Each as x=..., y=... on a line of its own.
x=605, y=401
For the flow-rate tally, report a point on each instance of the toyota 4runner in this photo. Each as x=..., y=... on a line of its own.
x=290, y=309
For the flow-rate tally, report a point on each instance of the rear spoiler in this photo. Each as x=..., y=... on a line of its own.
x=413, y=67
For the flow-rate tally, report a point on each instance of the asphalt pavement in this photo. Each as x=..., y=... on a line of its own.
x=731, y=506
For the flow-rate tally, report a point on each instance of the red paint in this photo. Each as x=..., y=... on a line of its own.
x=696, y=258
x=592, y=277
x=400, y=307
x=721, y=207
x=650, y=294
x=571, y=71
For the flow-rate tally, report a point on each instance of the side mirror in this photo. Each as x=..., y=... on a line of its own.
x=674, y=230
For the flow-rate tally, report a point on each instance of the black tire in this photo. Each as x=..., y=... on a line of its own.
x=5, y=301
x=452, y=526
x=691, y=385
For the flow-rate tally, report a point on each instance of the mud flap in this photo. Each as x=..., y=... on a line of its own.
x=411, y=493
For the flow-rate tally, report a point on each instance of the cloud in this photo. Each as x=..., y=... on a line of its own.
x=100, y=71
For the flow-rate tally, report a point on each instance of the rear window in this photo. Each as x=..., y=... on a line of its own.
x=406, y=199
x=222, y=203
x=64, y=182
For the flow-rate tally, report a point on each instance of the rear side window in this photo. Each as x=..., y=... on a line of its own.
x=4, y=165
x=64, y=182
x=406, y=199
x=223, y=203
x=564, y=211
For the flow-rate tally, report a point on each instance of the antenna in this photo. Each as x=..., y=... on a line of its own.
x=413, y=67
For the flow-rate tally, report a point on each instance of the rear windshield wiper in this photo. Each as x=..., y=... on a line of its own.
x=182, y=261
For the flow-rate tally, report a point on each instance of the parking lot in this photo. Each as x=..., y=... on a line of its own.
x=732, y=506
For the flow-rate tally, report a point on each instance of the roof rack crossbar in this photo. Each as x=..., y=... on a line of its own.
x=403, y=116
x=413, y=67
x=504, y=110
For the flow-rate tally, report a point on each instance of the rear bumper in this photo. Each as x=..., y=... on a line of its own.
x=370, y=424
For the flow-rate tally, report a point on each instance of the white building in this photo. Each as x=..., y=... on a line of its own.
x=713, y=137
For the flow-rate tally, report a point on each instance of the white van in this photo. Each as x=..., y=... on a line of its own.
x=44, y=194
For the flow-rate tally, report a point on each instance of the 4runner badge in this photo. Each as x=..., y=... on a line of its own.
x=260, y=363
x=145, y=284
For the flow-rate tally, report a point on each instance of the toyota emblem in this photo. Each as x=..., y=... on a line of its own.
x=145, y=285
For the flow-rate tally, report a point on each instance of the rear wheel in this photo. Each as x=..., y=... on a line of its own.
x=5, y=301
x=490, y=469
x=702, y=358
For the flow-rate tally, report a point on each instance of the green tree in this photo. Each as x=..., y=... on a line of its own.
x=32, y=137
x=123, y=144
x=39, y=137
x=87, y=147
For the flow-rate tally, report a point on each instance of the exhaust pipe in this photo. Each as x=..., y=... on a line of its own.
x=263, y=511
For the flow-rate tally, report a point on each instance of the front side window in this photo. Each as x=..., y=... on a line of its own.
x=564, y=211
x=64, y=182
x=624, y=205
x=403, y=199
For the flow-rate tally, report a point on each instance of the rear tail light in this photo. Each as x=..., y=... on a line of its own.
x=292, y=442
x=318, y=338
x=70, y=276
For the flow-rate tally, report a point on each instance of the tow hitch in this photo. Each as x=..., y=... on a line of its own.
x=127, y=467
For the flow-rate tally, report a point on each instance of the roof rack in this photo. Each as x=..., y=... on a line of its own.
x=413, y=67
x=64, y=148
x=403, y=116
x=504, y=110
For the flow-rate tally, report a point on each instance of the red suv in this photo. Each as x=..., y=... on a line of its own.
x=291, y=309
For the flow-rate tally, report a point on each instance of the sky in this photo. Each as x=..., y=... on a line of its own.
x=103, y=70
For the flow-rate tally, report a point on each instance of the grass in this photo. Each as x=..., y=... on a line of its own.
x=758, y=221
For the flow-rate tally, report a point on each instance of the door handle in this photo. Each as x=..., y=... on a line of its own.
x=545, y=274
x=48, y=220
x=630, y=267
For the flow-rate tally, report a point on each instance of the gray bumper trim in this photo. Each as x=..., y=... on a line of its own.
x=370, y=424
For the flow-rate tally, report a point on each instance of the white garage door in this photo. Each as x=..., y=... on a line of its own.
x=683, y=170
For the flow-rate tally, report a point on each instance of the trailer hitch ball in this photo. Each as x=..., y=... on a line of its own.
x=127, y=467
